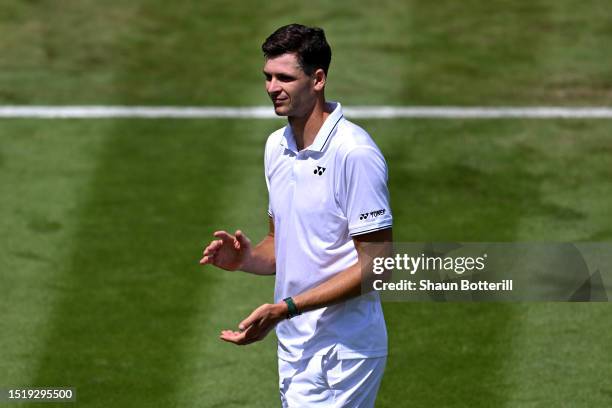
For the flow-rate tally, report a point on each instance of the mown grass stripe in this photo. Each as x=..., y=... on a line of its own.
x=133, y=284
x=447, y=354
x=43, y=172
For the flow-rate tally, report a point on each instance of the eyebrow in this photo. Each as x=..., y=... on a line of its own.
x=281, y=74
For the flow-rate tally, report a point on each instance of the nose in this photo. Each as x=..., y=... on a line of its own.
x=273, y=86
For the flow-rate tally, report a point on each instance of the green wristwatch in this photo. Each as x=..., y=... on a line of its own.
x=292, y=308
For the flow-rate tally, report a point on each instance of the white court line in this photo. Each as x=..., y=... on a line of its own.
x=266, y=112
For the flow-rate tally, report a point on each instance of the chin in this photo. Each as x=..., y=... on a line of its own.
x=280, y=111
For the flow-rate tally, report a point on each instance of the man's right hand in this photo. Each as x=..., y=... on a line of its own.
x=228, y=252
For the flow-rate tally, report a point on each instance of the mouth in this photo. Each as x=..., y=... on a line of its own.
x=279, y=101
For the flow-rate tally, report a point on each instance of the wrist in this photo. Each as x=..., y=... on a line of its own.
x=292, y=309
x=283, y=309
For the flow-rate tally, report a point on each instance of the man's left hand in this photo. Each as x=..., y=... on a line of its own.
x=257, y=325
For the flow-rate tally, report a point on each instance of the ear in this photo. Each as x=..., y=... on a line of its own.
x=319, y=79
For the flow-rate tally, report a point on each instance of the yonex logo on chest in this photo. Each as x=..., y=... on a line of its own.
x=319, y=171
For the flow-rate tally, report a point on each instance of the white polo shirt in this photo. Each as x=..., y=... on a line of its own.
x=320, y=197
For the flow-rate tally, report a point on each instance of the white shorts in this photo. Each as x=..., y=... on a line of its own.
x=326, y=381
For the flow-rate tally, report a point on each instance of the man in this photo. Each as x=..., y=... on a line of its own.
x=328, y=203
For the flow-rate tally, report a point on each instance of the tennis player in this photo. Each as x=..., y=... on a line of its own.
x=328, y=203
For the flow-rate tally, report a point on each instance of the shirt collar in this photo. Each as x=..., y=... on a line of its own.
x=323, y=135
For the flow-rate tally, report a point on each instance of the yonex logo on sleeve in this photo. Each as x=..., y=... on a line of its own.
x=319, y=170
x=372, y=214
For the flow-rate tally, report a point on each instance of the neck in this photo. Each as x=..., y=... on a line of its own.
x=305, y=128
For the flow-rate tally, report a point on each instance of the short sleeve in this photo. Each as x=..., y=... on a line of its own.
x=363, y=192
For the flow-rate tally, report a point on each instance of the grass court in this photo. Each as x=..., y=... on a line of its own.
x=102, y=221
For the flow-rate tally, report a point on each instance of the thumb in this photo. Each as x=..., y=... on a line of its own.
x=242, y=239
x=246, y=323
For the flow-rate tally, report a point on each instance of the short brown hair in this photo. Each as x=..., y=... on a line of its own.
x=309, y=43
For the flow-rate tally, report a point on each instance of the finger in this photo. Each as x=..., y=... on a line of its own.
x=242, y=239
x=233, y=337
x=224, y=236
x=207, y=260
x=213, y=246
x=211, y=249
x=250, y=335
x=252, y=319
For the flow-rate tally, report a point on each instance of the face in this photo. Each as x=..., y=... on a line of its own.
x=293, y=93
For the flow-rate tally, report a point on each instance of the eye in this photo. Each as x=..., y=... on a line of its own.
x=267, y=76
x=285, y=78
